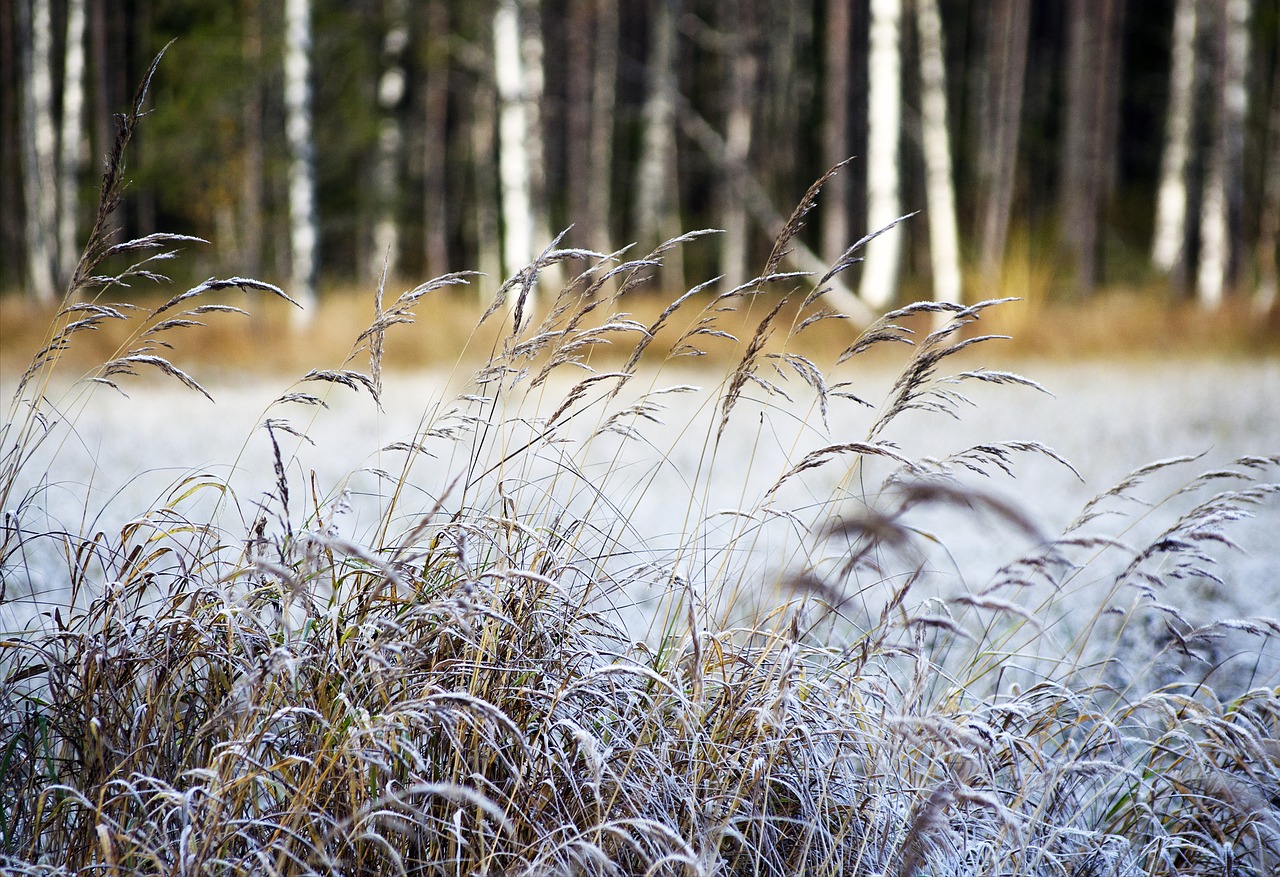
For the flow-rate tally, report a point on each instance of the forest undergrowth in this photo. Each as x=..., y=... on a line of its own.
x=238, y=682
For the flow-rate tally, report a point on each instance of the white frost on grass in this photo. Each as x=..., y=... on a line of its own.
x=125, y=456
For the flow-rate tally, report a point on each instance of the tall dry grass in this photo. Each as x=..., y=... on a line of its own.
x=460, y=687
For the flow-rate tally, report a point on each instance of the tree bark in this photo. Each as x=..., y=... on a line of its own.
x=435, y=152
x=39, y=145
x=12, y=236
x=487, y=194
x=385, y=257
x=580, y=40
x=879, y=280
x=1221, y=209
x=514, y=171
x=1269, y=222
x=252, y=183
x=787, y=94
x=1170, y=235
x=656, y=215
x=1006, y=61
x=72, y=145
x=1093, y=71
x=944, y=237
x=103, y=24
x=304, y=232
x=532, y=49
x=741, y=71
x=835, y=130
x=604, y=88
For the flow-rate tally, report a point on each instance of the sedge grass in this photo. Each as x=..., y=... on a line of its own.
x=459, y=687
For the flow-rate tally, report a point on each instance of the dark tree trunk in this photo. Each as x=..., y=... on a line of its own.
x=835, y=130
x=10, y=172
x=579, y=65
x=252, y=184
x=1088, y=147
x=604, y=78
x=435, y=150
x=1269, y=221
x=1005, y=71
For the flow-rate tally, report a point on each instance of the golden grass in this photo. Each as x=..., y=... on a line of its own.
x=1120, y=323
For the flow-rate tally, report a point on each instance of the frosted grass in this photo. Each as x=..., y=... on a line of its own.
x=1105, y=419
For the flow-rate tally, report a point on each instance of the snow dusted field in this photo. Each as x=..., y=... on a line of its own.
x=124, y=456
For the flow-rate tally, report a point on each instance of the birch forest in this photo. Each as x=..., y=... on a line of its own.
x=323, y=144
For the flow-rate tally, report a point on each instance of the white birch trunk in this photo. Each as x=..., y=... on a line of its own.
x=72, y=140
x=303, y=233
x=1211, y=273
x=513, y=133
x=1171, y=197
x=655, y=176
x=944, y=238
x=385, y=257
x=39, y=145
x=653, y=183
x=1217, y=231
x=884, y=124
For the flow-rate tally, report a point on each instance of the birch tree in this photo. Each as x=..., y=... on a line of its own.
x=1170, y=233
x=534, y=86
x=303, y=231
x=514, y=172
x=944, y=238
x=741, y=70
x=39, y=145
x=71, y=141
x=1221, y=208
x=656, y=216
x=884, y=124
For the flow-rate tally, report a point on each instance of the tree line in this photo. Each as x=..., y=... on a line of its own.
x=1116, y=140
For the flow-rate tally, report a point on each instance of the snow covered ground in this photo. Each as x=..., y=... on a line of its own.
x=122, y=457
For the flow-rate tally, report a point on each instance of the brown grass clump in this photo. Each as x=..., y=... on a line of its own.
x=458, y=688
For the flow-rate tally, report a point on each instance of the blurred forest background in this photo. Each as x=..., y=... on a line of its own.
x=1107, y=142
